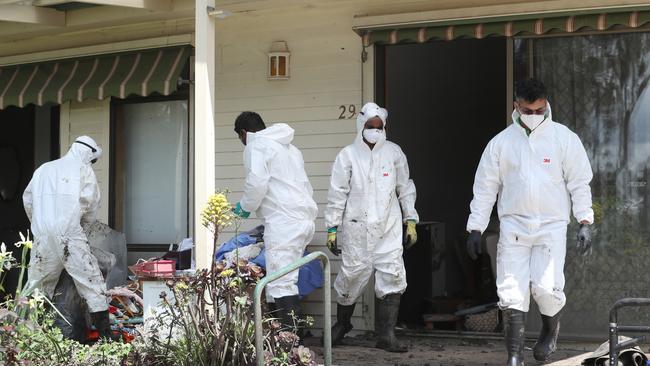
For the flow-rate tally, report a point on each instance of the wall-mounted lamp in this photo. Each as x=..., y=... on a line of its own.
x=218, y=13
x=278, y=67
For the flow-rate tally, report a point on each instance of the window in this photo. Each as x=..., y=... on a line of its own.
x=150, y=171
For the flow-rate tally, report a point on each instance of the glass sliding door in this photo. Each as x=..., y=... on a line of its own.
x=598, y=87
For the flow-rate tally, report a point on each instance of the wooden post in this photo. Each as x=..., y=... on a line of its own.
x=204, y=138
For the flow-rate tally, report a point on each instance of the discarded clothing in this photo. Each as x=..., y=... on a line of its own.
x=632, y=356
x=310, y=276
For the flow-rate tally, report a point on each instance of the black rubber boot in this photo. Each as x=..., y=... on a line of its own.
x=547, y=341
x=290, y=312
x=343, y=324
x=387, y=314
x=514, y=326
x=101, y=321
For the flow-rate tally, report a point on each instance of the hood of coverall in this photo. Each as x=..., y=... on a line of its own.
x=549, y=115
x=279, y=132
x=83, y=152
x=369, y=111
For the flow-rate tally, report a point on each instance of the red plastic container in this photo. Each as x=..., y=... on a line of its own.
x=164, y=268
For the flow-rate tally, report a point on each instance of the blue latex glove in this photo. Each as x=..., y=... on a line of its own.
x=240, y=211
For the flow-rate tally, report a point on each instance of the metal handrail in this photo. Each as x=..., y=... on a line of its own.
x=615, y=328
x=327, y=326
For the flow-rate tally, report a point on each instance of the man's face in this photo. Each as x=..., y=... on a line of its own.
x=375, y=123
x=242, y=136
x=526, y=107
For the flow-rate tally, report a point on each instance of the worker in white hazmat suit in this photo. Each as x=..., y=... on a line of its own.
x=62, y=195
x=278, y=190
x=540, y=172
x=370, y=197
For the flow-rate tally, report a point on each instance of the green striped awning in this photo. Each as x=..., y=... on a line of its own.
x=115, y=75
x=481, y=28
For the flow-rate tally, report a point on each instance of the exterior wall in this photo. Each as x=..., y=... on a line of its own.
x=325, y=74
x=91, y=118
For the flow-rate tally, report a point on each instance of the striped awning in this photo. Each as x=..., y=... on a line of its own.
x=480, y=28
x=116, y=75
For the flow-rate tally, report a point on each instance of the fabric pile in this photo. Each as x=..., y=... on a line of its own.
x=250, y=247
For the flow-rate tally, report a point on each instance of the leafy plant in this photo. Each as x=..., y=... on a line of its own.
x=7, y=262
x=210, y=319
x=27, y=332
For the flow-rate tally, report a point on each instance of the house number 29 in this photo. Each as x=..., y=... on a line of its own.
x=347, y=112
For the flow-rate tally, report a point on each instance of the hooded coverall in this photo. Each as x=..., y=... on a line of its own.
x=538, y=178
x=367, y=189
x=278, y=190
x=61, y=195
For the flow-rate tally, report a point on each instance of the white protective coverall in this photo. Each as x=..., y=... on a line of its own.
x=366, y=191
x=536, y=178
x=61, y=195
x=278, y=190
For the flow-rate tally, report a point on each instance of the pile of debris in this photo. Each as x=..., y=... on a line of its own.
x=126, y=312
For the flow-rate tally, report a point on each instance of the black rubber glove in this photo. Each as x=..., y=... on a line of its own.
x=584, y=239
x=474, y=244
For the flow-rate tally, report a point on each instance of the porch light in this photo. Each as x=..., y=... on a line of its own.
x=278, y=67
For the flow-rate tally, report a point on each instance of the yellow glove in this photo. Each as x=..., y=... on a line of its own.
x=411, y=234
x=331, y=241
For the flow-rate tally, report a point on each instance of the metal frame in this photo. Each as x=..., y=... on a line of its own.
x=580, y=33
x=327, y=321
x=615, y=328
x=491, y=13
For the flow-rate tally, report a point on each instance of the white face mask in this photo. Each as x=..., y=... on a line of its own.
x=373, y=135
x=532, y=121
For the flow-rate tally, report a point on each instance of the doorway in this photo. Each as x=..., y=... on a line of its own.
x=28, y=137
x=446, y=100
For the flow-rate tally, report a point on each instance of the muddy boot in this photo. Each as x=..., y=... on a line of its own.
x=343, y=324
x=101, y=321
x=513, y=326
x=547, y=341
x=290, y=312
x=387, y=313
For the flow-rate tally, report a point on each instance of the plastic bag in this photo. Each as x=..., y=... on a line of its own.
x=109, y=247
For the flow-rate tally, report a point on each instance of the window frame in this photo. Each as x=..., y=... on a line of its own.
x=116, y=103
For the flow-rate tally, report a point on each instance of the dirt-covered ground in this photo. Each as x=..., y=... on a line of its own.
x=434, y=351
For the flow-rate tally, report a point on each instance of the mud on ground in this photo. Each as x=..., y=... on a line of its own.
x=435, y=351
